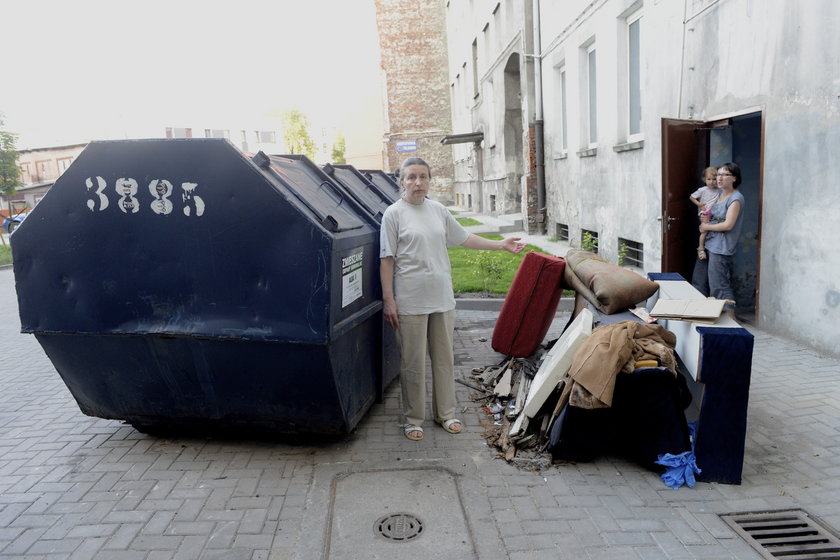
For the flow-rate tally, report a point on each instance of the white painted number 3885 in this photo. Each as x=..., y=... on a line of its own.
x=127, y=189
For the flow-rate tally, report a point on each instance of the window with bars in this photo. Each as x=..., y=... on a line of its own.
x=562, y=232
x=589, y=240
x=630, y=253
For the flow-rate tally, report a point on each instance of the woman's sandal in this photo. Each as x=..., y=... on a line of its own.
x=412, y=432
x=701, y=254
x=447, y=425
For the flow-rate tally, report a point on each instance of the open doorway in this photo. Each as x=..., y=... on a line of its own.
x=687, y=148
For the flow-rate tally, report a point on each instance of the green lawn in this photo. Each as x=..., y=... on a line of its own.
x=468, y=274
x=468, y=222
x=5, y=255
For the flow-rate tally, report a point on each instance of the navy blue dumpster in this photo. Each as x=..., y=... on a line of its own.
x=178, y=282
x=384, y=181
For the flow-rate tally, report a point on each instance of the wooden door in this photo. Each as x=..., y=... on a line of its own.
x=685, y=152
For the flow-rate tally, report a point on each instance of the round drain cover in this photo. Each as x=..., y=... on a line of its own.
x=399, y=527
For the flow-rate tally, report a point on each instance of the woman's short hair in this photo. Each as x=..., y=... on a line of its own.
x=413, y=161
x=735, y=170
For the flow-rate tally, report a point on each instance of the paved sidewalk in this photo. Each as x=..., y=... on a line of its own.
x=75, y=487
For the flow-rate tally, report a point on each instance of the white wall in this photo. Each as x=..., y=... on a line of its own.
x=729, y=57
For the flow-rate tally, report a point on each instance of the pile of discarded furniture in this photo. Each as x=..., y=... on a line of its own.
x=642, y=370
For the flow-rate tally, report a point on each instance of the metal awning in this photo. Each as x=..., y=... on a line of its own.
x=464, y=138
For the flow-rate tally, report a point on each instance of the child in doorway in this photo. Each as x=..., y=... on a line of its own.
x=704, y=198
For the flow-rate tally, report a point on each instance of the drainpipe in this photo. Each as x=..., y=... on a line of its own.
x=538, y=122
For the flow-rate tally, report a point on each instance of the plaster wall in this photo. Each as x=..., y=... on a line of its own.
x=783, y=57
x=614, y=186
x=707, y=60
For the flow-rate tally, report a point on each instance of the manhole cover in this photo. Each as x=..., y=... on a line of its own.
x=399, y=527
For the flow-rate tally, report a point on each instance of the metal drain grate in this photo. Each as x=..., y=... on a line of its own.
x=399, y=527
x=789, y=534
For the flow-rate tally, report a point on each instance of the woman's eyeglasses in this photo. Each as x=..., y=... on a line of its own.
x=725, y=175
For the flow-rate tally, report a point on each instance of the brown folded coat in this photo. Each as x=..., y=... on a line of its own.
x=611, y=349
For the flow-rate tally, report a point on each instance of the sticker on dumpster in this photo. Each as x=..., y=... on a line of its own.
x=351, y=277
x=127, y=191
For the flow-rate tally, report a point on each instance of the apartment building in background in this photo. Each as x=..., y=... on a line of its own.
x=39, y=168
x=622, y=103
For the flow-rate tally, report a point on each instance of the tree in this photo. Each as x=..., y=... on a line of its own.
x=9, y=170
x=296, y=133
x=339, y=148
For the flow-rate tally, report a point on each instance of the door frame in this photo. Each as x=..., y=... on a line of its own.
x=685, y=153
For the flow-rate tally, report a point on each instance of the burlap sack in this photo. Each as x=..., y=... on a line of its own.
x=610, y=288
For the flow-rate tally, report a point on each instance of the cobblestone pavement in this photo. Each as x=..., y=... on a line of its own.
x=77, y=487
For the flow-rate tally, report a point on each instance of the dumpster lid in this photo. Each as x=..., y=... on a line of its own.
x=384, y=181
x=313, y=189
x=369, y=195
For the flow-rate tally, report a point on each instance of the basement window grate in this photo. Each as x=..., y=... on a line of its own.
x=399, y=527
x=789, y=534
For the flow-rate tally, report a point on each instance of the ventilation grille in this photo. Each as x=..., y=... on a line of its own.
x=788, y=534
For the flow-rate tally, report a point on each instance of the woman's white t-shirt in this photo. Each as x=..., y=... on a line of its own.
x=417, y=236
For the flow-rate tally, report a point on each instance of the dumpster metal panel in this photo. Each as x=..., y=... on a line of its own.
x=175, y=281
x=369, y=195
x=384, y=181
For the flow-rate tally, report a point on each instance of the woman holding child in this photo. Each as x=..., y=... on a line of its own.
x=713, y=276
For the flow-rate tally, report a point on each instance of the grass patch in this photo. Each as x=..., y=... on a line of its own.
x=453, y=212
x=465, y=278
x=468, y=222
x=5, y=255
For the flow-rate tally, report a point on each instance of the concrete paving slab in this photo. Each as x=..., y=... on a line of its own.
x=347, y=499
x=98, y=487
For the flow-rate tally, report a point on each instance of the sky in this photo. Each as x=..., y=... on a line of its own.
x=99, y=69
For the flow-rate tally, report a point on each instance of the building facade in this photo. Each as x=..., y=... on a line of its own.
x=413, y=50
x=494, y=111
x=637, y=97
x=39, y=168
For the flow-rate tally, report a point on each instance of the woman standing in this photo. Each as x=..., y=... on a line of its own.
x=417, y=295
x=714, y=276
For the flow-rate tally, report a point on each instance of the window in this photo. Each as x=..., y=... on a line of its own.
x=44, y=170
x=63, y=164
x=490, y=99
x=630, y=253
x=216, y=133
x=634, y=75
x=178, y=132
x=25, y=173
x=492, y=202
x=561, y=86
x=466, y=87
x=592, y=96
x=265, y=136
x=475, y=68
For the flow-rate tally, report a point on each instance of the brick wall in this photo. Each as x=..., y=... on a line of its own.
x=412, y=41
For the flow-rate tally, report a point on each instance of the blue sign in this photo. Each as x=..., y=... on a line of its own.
x=406, y=145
